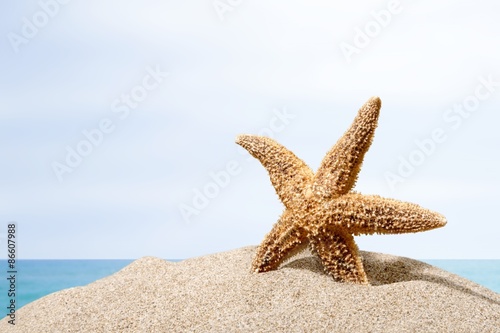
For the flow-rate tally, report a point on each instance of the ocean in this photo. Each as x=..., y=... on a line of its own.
x=37, y=278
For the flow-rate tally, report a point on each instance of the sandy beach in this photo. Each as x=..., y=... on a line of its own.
x=218, y=293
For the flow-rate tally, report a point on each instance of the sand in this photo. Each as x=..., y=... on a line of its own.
x=218, y=293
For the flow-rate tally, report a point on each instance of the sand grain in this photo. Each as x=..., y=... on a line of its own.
x=218, y=293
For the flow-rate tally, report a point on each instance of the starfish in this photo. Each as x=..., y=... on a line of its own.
x=321, y=211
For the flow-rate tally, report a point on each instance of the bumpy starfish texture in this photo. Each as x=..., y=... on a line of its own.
x=321, y=211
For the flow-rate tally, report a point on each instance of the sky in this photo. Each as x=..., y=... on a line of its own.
x=118, y=119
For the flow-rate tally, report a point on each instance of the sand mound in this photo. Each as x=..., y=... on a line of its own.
x=218, y=293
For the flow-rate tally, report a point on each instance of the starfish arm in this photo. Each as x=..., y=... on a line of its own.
x=289, y=174
x=283, y=241
x=370, y=214
x=339, y=255
x=339, y=169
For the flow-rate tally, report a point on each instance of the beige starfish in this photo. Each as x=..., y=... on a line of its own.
x=321, y=211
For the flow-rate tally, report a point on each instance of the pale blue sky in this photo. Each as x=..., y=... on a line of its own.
x=201, y=72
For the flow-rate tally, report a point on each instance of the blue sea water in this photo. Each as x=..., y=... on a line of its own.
x=37, y=278
x=483, y=272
